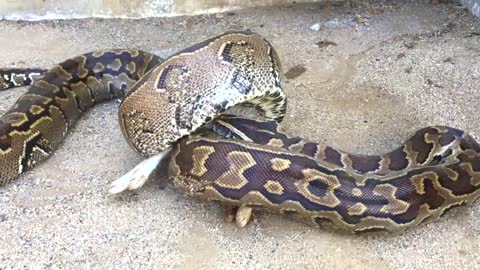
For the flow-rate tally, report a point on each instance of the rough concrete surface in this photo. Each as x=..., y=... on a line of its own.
x=395, y=68
x=59, y=9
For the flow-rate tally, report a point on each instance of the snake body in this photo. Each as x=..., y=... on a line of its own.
x=15, y=77
x=240, y=162
x=199, y=83
x=39, y=120
x=436, y=169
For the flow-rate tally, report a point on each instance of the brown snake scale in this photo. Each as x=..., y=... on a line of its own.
x=241, y=162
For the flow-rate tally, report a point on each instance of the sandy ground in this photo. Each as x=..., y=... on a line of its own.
x=390, y=71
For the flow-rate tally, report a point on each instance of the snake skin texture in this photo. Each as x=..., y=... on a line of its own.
x=254, y=164
x=240, y=162
x=165, y=101
x=199, y=83
x=16, y=77
x=39, y=120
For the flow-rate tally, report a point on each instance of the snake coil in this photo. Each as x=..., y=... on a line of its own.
x=241, y=162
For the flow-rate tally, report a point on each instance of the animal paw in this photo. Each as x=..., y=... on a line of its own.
x=243, y=216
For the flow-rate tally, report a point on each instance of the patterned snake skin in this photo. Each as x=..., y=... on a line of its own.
x=40, y=119
x=15, y=77
x=241, y=162
x=434, y=170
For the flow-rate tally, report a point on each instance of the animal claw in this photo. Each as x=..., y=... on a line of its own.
x=243, y=216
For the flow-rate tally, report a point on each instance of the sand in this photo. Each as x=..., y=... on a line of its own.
x=372, y=76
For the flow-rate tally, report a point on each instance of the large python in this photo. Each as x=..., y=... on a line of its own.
x=240, y=162
x=38, y=121
x=167, y=99
x=436, y=169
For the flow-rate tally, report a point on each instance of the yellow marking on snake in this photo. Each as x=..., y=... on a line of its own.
x=273, y=187
x=45, y=85
x=280, y=164
x=357, y=209
x=131, y=67
x=395, y=206
x=357, y=192
x=297, y=147
x=234, y=177
x=17, y=119
x=276, y=142
x=418, y=181
x=474, y=176
x=99, y=67
x=82, y=71
x=200, y=156
x=35, y=109
x=116, y=65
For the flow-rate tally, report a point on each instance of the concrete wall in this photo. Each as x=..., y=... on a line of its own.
x=68, y=9
x=59, y=9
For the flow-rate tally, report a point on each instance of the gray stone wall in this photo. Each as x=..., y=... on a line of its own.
x=68, y=9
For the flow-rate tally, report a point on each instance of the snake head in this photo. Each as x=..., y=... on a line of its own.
x=196, y=85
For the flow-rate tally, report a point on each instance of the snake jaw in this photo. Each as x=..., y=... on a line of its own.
x=139, y=175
